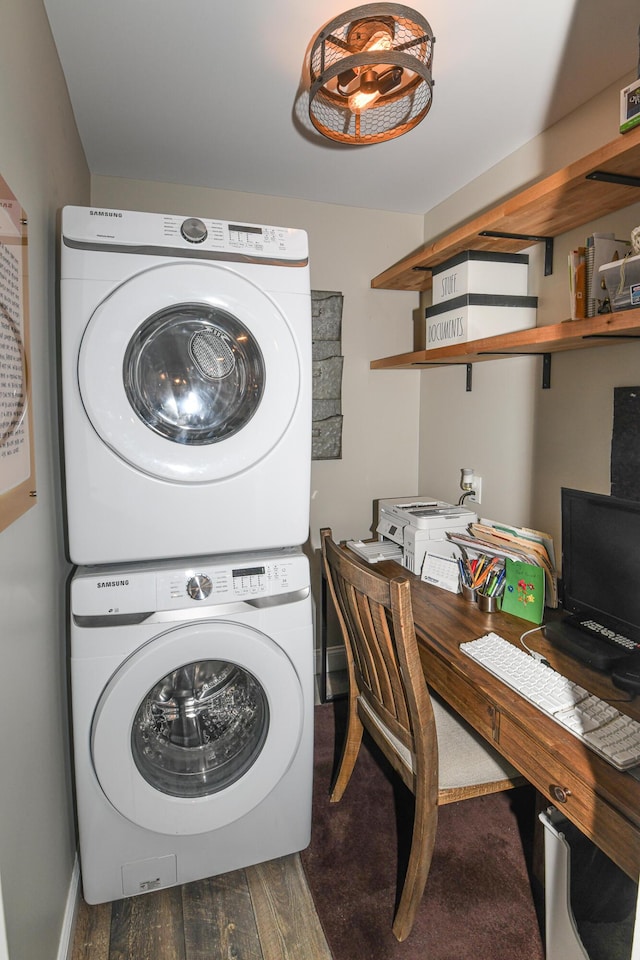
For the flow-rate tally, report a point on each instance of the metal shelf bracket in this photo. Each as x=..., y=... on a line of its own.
x=546, y=362
x=623, y=179
x=548, y=245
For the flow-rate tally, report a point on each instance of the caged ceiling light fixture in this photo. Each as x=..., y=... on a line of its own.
x=370, y=74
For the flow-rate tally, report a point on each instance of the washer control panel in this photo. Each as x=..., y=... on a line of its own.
x=225, y=584
x=201, y=583
x=210, y=584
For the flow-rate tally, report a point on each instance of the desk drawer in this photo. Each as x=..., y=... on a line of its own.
x=555, y=762
x=476, y=708
x=466, y=699
x=577, y=799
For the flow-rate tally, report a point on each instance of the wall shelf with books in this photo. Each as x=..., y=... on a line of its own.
x=550, y=207
x=563, y=201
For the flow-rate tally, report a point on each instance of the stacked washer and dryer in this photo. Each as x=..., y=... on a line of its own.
x=186, y=387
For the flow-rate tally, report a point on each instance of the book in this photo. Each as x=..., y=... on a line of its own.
x=588, y=265
x=577, y=284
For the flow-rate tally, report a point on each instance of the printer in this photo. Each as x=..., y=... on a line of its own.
x=419, y=525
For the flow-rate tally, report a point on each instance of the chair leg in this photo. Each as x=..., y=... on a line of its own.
x=350, y=750
x=422, y=843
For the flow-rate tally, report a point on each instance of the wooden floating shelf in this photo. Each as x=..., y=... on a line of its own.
x=550, y=207
x=570, y=335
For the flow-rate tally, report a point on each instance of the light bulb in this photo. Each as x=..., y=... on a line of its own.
x=361, y=100
x=379, y=41
x=367, y=93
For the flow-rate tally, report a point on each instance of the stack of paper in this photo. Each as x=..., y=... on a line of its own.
x=601, y=248
x=373, y=551
x=515, y=543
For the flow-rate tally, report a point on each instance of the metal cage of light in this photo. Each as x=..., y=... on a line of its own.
x=370, y=74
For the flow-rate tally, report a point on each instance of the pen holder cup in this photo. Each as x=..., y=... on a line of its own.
x=487, y=604
x=469, y=593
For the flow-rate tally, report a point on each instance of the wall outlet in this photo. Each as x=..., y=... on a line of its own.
x=477, y=491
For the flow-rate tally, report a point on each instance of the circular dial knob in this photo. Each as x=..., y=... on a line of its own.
x=199, y=587
x=193, y=230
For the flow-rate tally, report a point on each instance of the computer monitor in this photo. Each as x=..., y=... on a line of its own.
x=600, y=574
x=601, y=559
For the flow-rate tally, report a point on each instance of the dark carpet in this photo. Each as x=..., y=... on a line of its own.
x=478, y=901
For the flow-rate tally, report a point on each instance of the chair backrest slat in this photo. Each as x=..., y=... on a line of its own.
x=377, y=621
x=357, y=618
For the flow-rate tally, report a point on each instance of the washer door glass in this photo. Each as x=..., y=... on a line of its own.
x=194, y=374
x=191, y=373
x=197, y=726
x=200, y=728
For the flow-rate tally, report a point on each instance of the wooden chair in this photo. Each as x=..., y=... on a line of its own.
x=439, y=757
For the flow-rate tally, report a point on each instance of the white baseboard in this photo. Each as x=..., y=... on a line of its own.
x=336, y=680
x=65, y=945
x=336, y=660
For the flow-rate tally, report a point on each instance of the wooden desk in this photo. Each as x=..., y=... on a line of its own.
x=603, y=802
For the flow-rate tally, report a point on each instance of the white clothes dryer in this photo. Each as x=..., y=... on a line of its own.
x=186, y=385
x=192, y=697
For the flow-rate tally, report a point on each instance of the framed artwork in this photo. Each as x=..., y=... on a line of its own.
x=17, y=467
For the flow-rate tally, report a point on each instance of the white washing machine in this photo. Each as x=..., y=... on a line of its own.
x=186, y=385
x=192, y=696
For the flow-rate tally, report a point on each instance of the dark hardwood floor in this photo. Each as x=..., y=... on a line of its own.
x=262, y=913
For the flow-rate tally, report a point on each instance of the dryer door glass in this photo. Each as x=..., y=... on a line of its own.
x=200, y=728
x=194, y=374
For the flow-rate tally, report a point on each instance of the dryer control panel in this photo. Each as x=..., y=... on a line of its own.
x=146, y=588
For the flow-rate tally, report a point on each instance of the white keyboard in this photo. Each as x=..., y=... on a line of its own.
x=607, y=732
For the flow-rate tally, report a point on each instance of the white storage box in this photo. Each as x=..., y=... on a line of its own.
x=481, y=271
x=622, y=278
x=478, y=315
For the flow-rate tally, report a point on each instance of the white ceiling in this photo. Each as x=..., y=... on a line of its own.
x=209, y=92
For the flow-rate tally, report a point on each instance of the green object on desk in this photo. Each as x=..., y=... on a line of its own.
x=524, y=590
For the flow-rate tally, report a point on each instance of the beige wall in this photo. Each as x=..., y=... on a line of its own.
x=348, y=247
x=526, y=442
x=42, y=161
x=523, y=441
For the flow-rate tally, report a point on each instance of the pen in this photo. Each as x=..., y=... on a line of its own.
x=464, y=576
x=485, y=573
x=476, y=569
x=500, y=584
x=494, y=585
